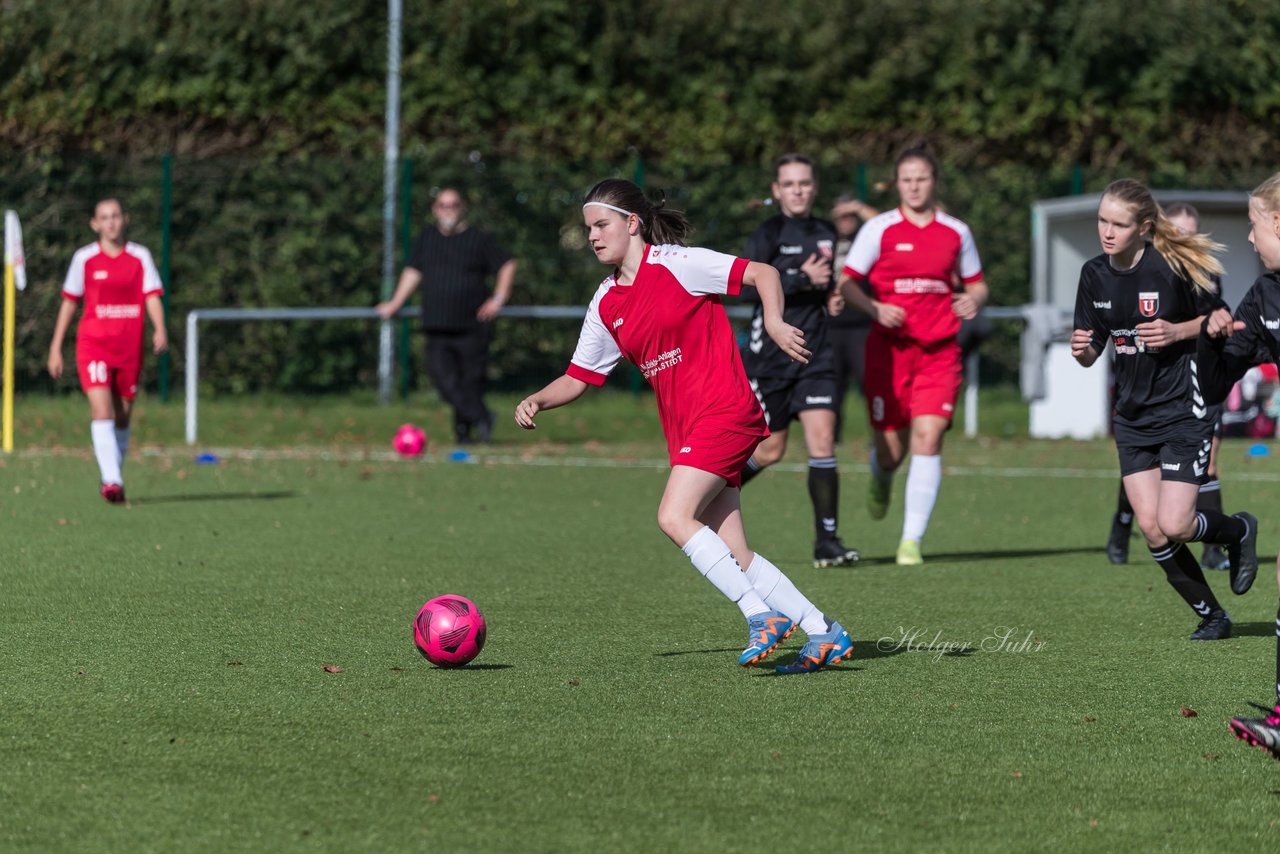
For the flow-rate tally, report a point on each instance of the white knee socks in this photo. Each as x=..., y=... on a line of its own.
x=712, y=558
x=103, y=433
x=923, y=479
x=780, y=594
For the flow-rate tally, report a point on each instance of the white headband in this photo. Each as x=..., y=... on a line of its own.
x=614, y=208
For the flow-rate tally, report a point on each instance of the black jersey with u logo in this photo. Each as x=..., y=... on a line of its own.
x=1157, y=390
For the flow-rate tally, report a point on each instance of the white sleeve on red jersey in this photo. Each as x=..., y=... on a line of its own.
x=968, y=264
x=597, y=354
x=150, y=275
x=865, y=251
x=701, y=272
x=73, y=286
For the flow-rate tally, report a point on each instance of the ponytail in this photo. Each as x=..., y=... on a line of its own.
x=659, y=225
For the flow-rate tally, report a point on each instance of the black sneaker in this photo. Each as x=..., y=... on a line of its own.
x=462, y=433
x=1118, y=542
x=1260, y=732
x=484, y=428
x=1213, y=557
x=832, y=552
x=1216, y=626
x=1244, y=555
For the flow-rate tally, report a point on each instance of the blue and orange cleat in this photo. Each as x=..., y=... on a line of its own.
x=766, y=631
x=832, y=648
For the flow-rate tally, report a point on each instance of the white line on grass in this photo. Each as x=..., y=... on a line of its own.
x=486, y=458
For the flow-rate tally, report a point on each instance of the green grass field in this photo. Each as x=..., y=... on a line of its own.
x=164, y=683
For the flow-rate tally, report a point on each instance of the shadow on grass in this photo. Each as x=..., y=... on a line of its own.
x=477, y=667
x=1253, y=630
x=961, y=557
x=863, y=650
x=212, y=496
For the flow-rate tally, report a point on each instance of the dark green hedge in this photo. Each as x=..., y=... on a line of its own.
x=274, y=113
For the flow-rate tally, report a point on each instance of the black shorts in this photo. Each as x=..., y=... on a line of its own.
x=783, y=400
x=1183, y=458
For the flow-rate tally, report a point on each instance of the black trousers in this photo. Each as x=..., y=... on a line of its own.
x=849, y=353
x=456, y=363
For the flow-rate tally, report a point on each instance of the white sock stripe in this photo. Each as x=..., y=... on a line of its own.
x=1211, y=486
x=755, y=388
x=822, y=462
x=753, y=465
x=1202, y=525
x=1166, y=552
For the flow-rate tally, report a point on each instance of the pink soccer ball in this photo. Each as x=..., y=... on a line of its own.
x=449, y=630
x=409, y=441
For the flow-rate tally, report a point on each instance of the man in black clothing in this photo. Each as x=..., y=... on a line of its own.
x=455, y=260
x=848, y=329
x=801, y=247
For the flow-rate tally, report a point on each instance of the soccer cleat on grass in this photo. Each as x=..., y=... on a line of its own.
x=1118, y=542
x=113, y=493
x=909, y=554
x=1216, y=626
x=1213, y=557
x=1259, y=732
x=1244, y=555
x=831, y=648
x=832, y=552
x=878, y=497
x=765, y=632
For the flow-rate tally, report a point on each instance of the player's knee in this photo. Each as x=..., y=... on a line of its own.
x=1151, y=531
x=673, y=522
x=766, y=454
x=1180, y=528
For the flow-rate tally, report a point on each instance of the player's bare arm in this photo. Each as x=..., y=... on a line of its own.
x=409, y=281
x=889, y=316
x=764, y=278
x=560, y=391
x=1162, y=333
x=66, y=312
x=1082, y=347
x=968, y=302
x=501, y=292
x=159, y=335
x=1221, y=324
x=818, y=270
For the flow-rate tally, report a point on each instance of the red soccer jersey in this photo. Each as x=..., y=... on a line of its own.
x=114, y=292
x=912, y=267
x=671, y=324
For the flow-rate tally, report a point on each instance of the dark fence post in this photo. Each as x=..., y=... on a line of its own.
x=166, y=252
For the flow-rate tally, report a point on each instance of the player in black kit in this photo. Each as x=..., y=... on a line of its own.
x=802, y=248
x=1149, y=299
x=1254, y=339
x=1186, y=219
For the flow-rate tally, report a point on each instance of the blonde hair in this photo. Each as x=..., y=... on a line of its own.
x=1268, y=192
x=1190, y=255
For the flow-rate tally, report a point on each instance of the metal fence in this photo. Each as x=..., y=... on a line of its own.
x=535, y=312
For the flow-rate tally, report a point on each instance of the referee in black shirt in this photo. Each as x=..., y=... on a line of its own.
x=455, y=261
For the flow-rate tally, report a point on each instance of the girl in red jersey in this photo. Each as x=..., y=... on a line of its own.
x=661, y=309
x=117, y=281
x=911, y=256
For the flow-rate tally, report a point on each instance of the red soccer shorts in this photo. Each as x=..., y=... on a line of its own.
x=905, y=380
x=99, y=368
x=716, y=450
